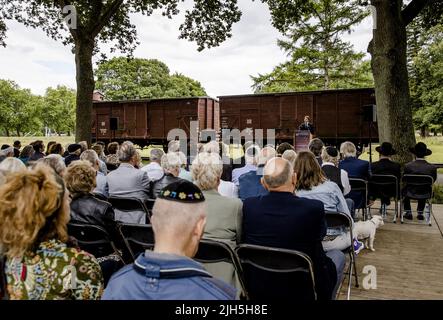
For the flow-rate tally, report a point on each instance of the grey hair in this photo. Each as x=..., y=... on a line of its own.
x=273, y=179
x=56, y=162
x=251, y=154
x=211, y=147
x=156, y=154
x=174, y=146
x=126, y=151
x=176, y=220
x=290, y=155
x=10, y=165
x=170, y=161
x=347, y=149
x=7, y=151
x=206, y=170
x=316, y=146
x=90, y=156
x=266, y=154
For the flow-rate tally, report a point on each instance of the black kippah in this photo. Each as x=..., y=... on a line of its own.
x=182, y=191
x=332, y=151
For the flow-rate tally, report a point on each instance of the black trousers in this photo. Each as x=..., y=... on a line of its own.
x=420, y=206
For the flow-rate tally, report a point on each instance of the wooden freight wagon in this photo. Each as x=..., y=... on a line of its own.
x=147, y=122
x=338, y=115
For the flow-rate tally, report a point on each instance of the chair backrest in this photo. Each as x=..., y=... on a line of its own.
x=418, y=186
x=211, y=251
x=92, y=239
x=130, y=205
x=358, y=184
x=137, y=238
x=383, y=184
x=275, y=274
x=100, y=196
x=339, y=220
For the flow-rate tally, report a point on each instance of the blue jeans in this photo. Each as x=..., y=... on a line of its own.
x=351, y=206
x=339, y=260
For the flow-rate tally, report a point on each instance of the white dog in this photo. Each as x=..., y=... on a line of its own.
x=365, y=230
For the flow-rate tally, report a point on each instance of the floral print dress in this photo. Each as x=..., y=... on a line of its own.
x=54, y=272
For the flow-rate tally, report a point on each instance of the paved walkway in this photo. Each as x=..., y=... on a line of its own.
x=408, y=261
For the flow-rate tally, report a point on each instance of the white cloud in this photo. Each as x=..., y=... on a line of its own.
x=34, y=61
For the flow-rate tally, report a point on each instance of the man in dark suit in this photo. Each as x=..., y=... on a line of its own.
x=355, y=168
x=387, y=167
x=74, y=150
x=419, y=167
x=307, y=125
x=283, y=220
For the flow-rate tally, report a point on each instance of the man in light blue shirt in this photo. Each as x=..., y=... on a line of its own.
x=251, y=158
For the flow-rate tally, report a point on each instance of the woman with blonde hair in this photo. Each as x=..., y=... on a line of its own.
x=39, y=264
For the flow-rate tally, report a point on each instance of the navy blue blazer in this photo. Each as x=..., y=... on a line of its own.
x=283, y=220
x=359, y=169
x=249, y=184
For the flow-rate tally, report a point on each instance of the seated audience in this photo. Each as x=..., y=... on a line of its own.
x=419, y=167
x=388, y=167
x=330, y=159
x=170, y=164
x=49, y=146
x=101, y=188
x=251, y=158
x=283, y=147
x=41, y=264
x=101, y=164
x=26, y=154
x=184, y=174
x=356, y=168
x=250, y=183
x=129, y=182
x=290, y=155
x=80, y=180
x=7, y=152
x=56, y=148
x=56, y=162
x=84, y=145
x=17, y=145
x=316, y=147
x=154, y=169
x=280, y=219
x=39, y=148
x=168, y=272
x=112, y=157
x=75, y=151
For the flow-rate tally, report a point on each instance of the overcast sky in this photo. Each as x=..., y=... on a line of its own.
x=35, y=61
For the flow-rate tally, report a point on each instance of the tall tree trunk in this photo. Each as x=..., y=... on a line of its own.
x=388, y=50
x=85, y=88
x=7, y=132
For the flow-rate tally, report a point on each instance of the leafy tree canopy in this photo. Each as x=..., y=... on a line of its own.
x=122, y=78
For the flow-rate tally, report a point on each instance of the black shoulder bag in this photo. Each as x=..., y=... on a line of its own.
x=3, y=279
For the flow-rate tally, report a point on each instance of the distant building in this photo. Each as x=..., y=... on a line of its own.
x=98, y=96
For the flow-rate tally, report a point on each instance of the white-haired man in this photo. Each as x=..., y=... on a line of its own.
x=170, y=165
x=154, y=169
x=168, y=272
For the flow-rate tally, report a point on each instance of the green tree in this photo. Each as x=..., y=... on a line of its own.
x=208, y=23
x=319, y=59
x=122, y=78
x=59, y=109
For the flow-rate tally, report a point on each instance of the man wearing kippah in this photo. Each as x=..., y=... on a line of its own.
x=168, y=272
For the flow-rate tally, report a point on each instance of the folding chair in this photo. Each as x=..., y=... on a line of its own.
x=99, y=196
x=418, y=187
x=211, y=251
x=382, y=185
x=128, y=210
x=276, y=274
x=360, y=185
x=337, y=220
x=93, y=239
x=137, y=238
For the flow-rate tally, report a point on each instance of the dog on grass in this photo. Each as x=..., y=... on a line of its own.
x=365, y=230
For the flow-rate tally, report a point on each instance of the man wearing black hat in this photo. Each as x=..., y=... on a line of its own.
x=168, y=272
x=74, y=153
x=387, y=167
x=420, y=167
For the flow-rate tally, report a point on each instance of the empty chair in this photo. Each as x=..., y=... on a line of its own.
x=418, y=187
x=130, y=210
x=338, y=220
x=137, y=238
x=385, y=187
x=211, y=252
x=277, y=274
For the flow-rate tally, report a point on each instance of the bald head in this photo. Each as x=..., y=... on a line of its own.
x=178, y=226
x=278, y=175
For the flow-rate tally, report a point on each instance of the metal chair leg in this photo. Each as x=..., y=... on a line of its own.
x=350, y=279
x=355, y=269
